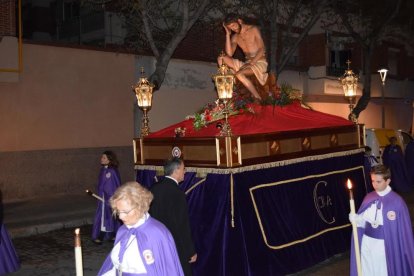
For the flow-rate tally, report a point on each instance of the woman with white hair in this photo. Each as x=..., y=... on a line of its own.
x=143, y=245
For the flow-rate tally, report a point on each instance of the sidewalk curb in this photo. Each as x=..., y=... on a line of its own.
x=20, y=232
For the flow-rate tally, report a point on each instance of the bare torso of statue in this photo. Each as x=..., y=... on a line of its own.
x=249, y=39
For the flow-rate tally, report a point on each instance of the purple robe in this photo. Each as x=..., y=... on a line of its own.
x=152, y=236
x=409, y=161
x=397, y=232
x=393, y=158
x=9, y=262
x=109, y=181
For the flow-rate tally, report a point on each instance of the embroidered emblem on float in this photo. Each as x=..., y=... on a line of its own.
x=176, y=152
x=108, y=175
x=148, y=256
x=391, y=215
x=323, y=202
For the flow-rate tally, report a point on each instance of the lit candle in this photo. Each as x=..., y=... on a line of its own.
x=94, y=195
x=354, y=228
x=145, y=101
x=78, y=253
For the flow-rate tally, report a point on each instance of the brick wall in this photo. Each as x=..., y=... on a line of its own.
x=203, y=43
x=7, y=18
x=28, y=174
x=312, y=51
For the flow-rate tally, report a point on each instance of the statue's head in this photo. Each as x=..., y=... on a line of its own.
x=234, y=22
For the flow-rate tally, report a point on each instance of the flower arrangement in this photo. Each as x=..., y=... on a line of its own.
x=284, y=95
x=212, y=112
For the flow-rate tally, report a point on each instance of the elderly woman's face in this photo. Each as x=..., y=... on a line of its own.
x=127, y=212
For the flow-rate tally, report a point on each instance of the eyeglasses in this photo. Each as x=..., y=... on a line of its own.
x=118, y=213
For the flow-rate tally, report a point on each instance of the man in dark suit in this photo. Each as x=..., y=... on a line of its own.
x=170, y=207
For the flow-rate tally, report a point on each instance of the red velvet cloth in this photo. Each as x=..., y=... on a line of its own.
x=265, y=119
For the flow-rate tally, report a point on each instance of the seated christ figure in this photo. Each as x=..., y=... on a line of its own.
x=249, y=39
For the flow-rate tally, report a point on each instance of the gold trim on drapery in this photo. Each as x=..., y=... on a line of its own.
x=194, y=186
x=232, y=200
x=286, y=182
x=202, y=172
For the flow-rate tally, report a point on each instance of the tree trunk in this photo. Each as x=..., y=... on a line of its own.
x=366, y=91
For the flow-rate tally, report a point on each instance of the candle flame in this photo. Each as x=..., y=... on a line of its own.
x=349, y=184
x=77, y=231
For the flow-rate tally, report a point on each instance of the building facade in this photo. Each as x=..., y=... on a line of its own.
x=63, y=99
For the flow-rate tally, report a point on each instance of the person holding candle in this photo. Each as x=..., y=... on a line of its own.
x=384, y=230
x=143, y=245
x=105, y=225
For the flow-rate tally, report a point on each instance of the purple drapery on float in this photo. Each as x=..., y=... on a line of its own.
x=270, y=219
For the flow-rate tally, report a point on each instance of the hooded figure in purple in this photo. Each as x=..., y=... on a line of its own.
x=409, y=161
x=393, y=158
x=9, y=261
x=143, y=245
x=105, y=224
x=384, y=230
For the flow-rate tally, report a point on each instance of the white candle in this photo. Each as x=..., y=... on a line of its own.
x=78, y=253
x=145, y=102
x=354, y=229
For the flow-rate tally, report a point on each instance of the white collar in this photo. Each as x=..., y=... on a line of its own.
x=385, y=191
x=172, y=179
x=140, y=221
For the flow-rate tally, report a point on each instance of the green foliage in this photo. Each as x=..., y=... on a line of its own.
x=285, y=95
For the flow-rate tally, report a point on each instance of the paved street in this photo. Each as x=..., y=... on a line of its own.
x=52, y=253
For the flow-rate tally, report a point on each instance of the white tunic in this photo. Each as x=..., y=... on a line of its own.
x=373, y=258
x=132, y=261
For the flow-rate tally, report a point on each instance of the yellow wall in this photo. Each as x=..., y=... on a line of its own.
x=68, y=98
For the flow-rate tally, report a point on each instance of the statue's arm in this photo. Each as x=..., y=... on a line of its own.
x=231, y=42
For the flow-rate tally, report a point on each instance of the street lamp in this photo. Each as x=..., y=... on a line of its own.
x=349, y=83
x=224, y=82
x=383, y=75
x=143, y=91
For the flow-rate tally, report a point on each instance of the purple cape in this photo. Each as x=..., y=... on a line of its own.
x=154, y=236
x=9, y=262
x=398, y=234
x=109, y=181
